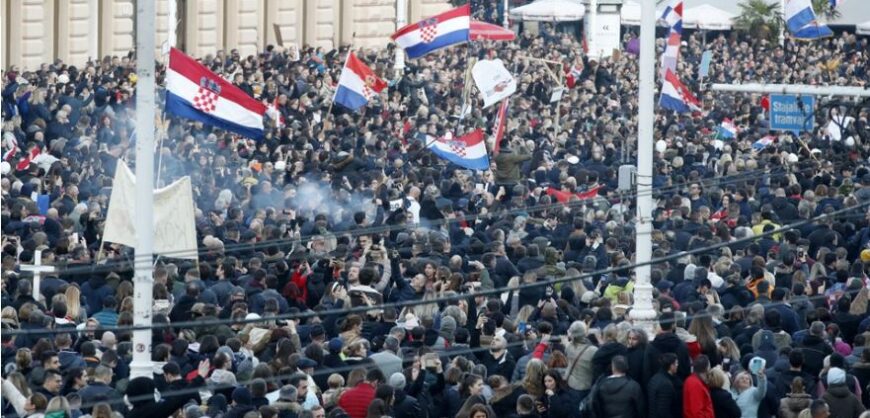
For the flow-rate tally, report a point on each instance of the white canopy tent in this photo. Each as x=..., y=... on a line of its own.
x=863, y=28
x=550, y=11
x=707, y=17
x=630, y=13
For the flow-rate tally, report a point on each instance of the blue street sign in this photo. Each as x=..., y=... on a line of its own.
x=704, y=69
x=793, y=113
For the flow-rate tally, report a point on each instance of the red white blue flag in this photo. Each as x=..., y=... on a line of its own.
x=676, y=96
x=468, y=151
x=194, y=92
x=358, y=84
x=439, y=31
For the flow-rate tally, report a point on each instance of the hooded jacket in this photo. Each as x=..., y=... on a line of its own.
x=842, y=402
x=619, y=397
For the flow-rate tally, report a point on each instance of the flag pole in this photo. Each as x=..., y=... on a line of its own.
x=346, y=59
x=144, y=212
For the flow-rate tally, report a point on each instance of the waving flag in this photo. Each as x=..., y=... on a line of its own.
x=10, y=153
x=763, y=143
x=449, y=28
x=358, y=84
x=673, y=16
x=194, y=92
x=676, y=96
x=801, y=20
x=727, y=130
x=468, y=151
x=24, y=162
x=500, y=126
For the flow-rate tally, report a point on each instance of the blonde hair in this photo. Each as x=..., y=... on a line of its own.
x=533, y=382
x=20, y=382
x=73, y=303
x=716, y=378
x=730, y=347
x=58, y=403
x=524, y=313
x=9, y=313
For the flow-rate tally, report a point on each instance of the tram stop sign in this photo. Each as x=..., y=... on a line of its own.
x=790, y=112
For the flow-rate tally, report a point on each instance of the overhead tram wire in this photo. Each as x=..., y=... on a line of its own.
x=458, y=297
x=127, y=261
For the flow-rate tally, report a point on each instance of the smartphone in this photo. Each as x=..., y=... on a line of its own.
x=478, y=187
x=522, y=327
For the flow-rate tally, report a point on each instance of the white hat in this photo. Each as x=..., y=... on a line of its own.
x=63, y=79
x=5, y=167
x=280, y=165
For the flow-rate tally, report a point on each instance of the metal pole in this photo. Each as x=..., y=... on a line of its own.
x=794, y=89
x=506, y=22
x=782, y=23
x=590, y=32
x=172, y=22
x=144, y=212
x=401, y=21
x=643, y=313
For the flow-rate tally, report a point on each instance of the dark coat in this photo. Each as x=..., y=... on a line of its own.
x=666, y=342
x=601, y=359
x=665, y=396
x=405, y=406
x=619, y=397
x=503, y=366
x=564, y=404
x=842, y=402
x=724, y=405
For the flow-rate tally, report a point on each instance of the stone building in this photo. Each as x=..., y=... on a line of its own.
x=40, y=31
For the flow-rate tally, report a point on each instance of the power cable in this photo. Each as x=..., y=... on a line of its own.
x=128, y=262
x=457, y=297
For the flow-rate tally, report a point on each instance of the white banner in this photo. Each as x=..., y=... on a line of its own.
x=493, y=80
x=174, y=224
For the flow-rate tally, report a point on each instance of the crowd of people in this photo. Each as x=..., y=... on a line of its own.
x=345, y=271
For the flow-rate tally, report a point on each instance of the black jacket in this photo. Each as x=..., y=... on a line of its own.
x=815, y=350
x=601, y=359
x=665, y=396
x=618, y=397
x=724, y=405
x=405, y=406
x=666, y=342
x=564, y=404
x=503, y=366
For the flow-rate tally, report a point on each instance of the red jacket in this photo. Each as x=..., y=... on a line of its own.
x=356, y=401
x=696, y=399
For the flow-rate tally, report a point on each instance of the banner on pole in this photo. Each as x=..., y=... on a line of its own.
x=493, y=80
x=174, y=225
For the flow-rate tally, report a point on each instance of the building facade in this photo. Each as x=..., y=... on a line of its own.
x=40, y=31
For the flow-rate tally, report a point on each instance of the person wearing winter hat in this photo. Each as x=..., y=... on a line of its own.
x=242, y=403
x=841, y=401
x=287, y=404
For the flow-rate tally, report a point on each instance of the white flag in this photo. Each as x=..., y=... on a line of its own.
x=174, y=225
x=493, y=80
